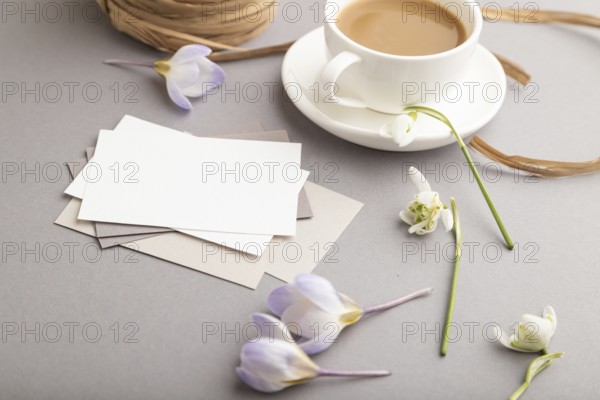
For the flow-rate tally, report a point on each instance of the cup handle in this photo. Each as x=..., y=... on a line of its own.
x=331, y=74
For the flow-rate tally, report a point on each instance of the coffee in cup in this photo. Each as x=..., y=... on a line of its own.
x=402, y=27
x=380, y=50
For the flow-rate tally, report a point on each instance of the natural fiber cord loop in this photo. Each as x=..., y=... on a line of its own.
x=544, y=168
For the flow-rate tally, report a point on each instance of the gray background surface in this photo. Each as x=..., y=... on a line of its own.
x=553, y=221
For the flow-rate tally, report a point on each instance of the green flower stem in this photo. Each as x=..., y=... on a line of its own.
x=519, y=391
x=537, y=365
x=441, y=117
x=450, y=312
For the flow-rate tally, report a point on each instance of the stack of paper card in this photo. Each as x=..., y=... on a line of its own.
x=235, y=206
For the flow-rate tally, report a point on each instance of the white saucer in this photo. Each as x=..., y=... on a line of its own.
x=301, y=68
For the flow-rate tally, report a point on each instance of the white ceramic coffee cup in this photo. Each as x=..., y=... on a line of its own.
x=379, y=80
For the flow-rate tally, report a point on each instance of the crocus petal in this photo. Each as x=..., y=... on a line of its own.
x=270, y=327
x=447, y=219
x=318, y=344
x=176, y=95
x=307, y=320
x=349, y=304
x=282, y=297
x=419, y=180
x=319, y=291
x=277, y=360
x=354, y=312
x=184, y=75
x=211, y=76
x=407, y=217
x=259, y=383
x=189, y=53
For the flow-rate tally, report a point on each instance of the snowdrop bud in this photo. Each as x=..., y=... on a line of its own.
x=400, y=129
x=533, y=332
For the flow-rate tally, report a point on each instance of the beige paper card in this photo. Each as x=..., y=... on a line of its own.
x=181, y=249
x=222, y=262
x=332, y=213
x=68, y=219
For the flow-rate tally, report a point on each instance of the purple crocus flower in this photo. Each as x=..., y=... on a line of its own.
x=273, y=363
x=312, y=309
x=189, y=73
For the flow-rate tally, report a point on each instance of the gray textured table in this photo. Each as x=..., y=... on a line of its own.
x=556, y=262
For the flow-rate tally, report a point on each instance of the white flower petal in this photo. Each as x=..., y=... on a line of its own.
x=259, y=383
x=176, y=95
x=270, y=327
x=427, y=197
x=407, y=217
x=402, y=124
x=425, y=231
x=183, y=75
x=515, y=345
x=400, y=130
x=349, y=303
x=405, y=139
x=447, y=219
x=210, y=76
x=282, y=297
x=319, y=291
x=534, y=333
x=419, y=180
x=277, y=360
x=189, y=53
x=539, y=324
x=550, y=315
x=307, y=320
x=435, y=216
x=318, y=344
x=418, y=228
x=502, y=336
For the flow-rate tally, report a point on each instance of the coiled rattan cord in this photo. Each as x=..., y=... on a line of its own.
x=168, y=24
